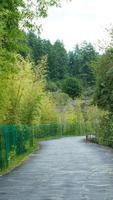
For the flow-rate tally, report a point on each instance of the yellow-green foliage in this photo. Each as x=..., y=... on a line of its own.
x=78, y=111
x=47, y=111
x=92, y=116
x=72, y=112
x=78, y=117
x=23, y=100
x=73, y=118
x=22, y=96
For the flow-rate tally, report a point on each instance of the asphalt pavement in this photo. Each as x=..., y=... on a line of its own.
x=63, y=169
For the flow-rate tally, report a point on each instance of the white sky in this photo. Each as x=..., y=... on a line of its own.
x=77, y=21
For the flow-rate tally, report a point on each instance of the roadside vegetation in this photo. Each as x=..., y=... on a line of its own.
x=103, y=94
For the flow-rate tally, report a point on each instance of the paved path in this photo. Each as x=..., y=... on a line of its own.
x=64, y=169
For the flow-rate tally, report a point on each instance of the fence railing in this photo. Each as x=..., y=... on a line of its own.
x=18, y=140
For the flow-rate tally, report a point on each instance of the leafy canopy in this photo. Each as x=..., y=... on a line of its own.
x=16, y=15
x=104, y=87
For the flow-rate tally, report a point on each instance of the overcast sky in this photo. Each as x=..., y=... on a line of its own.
x=77, y=21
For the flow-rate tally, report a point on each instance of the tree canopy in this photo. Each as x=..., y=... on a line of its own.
x=61, y=63
x=80, y=62
x=15, y=16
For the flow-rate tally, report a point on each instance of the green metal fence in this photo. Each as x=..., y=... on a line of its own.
x=18, y=140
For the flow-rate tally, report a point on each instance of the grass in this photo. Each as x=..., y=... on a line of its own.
x=18, y=161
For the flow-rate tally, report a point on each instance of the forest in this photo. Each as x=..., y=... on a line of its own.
x=45, y=90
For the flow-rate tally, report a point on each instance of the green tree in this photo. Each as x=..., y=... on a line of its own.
x=38, y=47
x=57, y=68
x=35, y=45
x=72, y=87
x=75, y=61
x=57, y=55
x=14, y=16
x=104, y=86
x=80, y=63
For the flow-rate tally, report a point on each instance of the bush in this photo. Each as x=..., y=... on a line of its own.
x=105, y=135
x=72, y=87
x=103, y=96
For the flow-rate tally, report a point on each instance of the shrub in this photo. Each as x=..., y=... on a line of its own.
x=72, y=87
